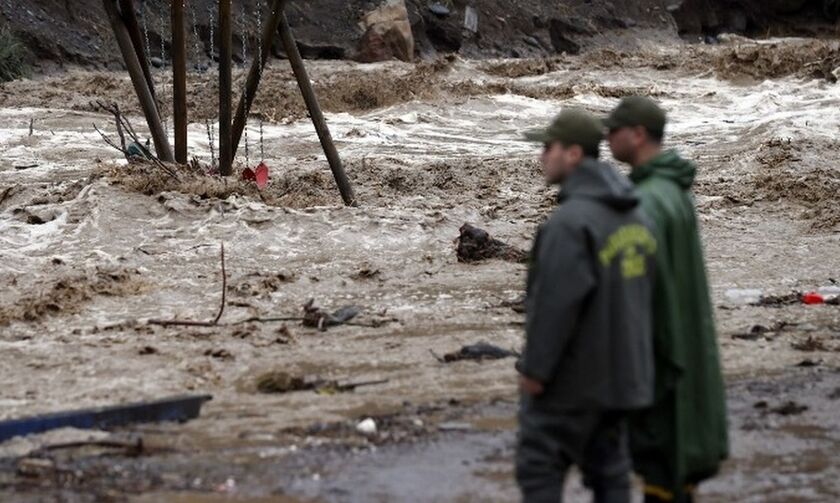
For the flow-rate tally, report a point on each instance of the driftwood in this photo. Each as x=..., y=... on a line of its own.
x=475, y=245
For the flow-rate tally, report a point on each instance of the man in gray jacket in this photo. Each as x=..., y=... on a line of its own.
x=588, y=356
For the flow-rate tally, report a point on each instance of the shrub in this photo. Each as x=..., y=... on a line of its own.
x=14, y=56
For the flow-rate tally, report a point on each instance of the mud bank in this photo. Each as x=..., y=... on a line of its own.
x=783, y=449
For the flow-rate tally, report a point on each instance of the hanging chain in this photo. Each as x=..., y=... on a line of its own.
x=259, y=43
x=212, y=35
x=162, y=41
x=244, y=39
x=262, y=152
x=146, y=33
x=196, y=37
x=260, y=56
x=247, y=152
x=162, y=72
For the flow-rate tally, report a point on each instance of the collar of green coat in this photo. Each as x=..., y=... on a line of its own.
x=670, y=165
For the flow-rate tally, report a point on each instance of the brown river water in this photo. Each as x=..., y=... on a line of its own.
x=91, y=249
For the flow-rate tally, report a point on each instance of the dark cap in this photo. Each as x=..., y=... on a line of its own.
x=573, y=126
x=637, y=111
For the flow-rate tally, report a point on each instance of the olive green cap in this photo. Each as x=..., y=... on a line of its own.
x=574, y=126
x=637, y=111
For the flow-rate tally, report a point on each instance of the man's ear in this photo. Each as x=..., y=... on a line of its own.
x=641, y=134
x=578, y=153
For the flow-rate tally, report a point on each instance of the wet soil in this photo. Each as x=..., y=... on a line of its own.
x=783, y=449
x=125, y=244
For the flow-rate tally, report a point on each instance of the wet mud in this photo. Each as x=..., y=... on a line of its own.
x=92, y=248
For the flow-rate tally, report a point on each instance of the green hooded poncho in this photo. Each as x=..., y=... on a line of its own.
x=682, y=438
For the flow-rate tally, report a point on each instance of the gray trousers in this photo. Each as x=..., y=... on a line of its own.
x=550, y=442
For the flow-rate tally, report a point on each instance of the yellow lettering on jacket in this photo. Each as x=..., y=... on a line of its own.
x=633, y=243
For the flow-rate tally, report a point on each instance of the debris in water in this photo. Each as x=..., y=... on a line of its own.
x=809, y=344
x=475, y=244
x=455, y=426
x=367, y=273
x=787, y=299
x=812, y=298
x=758, y=331
x=479, y=352
x=281, y=382
x=36, y=468
x=439, y=9
x=518, y=305
x=180, y=409
x=367, y=427
x=743, y=295
x=789, y=408
x=220, y=354
x=284, y=382
x=317, y=318
x=135, y=149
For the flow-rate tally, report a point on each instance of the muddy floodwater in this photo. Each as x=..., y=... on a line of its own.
x=91, y=249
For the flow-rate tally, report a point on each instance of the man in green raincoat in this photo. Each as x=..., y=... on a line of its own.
x=682, y=439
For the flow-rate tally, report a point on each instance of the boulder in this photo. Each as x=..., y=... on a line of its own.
x=387, y=35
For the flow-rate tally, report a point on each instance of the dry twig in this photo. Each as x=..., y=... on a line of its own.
x=215, y=322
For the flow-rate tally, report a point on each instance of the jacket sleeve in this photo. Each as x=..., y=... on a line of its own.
x=562, y=279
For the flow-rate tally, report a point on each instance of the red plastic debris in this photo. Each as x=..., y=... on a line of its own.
x=813, y=298
x=261, y=175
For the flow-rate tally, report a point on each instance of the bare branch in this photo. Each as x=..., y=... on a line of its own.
x=224, y=286
x=111, y=142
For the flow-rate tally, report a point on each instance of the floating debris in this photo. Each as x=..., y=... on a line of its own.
x=768, y=332
x=439, y=9
x=787, y=299
x=518, y=305
x=809, y=344
x=475, y=245
x=478, y=352
x=789, y=408
x=179, y=409
x=367, y=427
x=317, y=318
x=284, y=382
x=812, y=298
x=281, y=382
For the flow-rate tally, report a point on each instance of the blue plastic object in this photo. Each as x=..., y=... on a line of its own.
x=180, y=409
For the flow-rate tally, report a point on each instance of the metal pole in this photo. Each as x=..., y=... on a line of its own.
x=179, y=79
x=315, y=112
x=254, y=75
x=225, y=88
x=135, y=71
x=129, y=16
